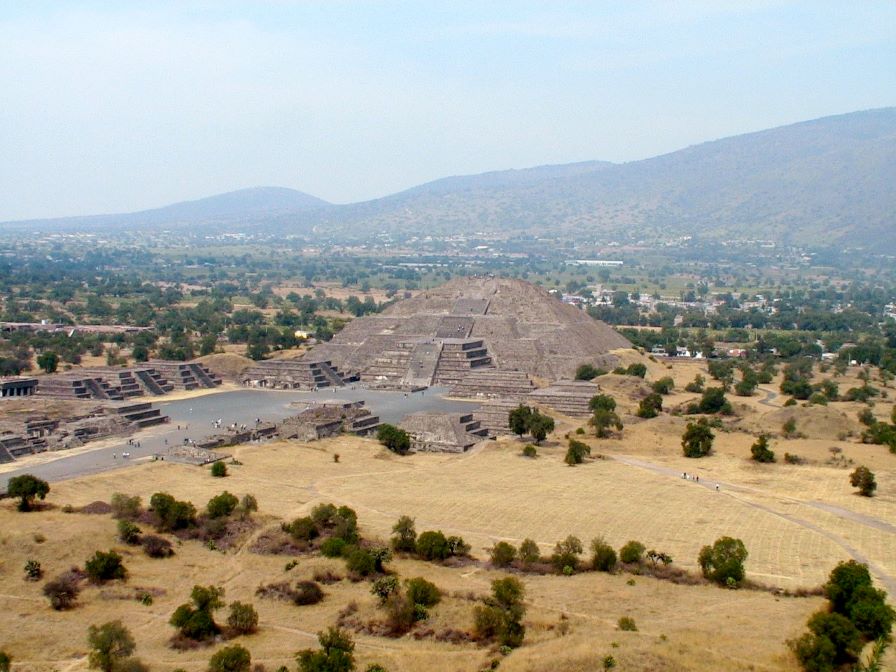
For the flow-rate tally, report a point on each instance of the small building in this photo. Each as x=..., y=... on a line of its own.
x=18, y=387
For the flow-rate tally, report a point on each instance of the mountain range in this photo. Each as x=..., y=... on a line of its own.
x=826, y=182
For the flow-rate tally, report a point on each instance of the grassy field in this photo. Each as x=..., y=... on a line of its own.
x=796, y=521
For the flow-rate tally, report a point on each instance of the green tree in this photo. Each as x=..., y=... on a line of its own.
x=221, y=506
x=500, y=619
x=714, y=401
x=529, y=552
x=48, y=361
x=171, y=513
x=604, y=421
x=863, y=479
x=404, y=535
x=540, y=426
x=650, y=406
x=231, y=659
x=104, y=567
x=603, y=557
x=27, y=488
x=196, y=621
x=219, y=469
x=723, y=562
x=632, y=552
x=502, y=554
x=664, y=385
x=518, y=420
x=602, y=401
x=576, y=453
x=587, y=372
x=760, y=451
x=432, y=545
x=697, y=439
x=566, y=554
x=335, y=655
x=110, y=644
x=395, y=439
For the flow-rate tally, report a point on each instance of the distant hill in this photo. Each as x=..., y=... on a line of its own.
x=257, y=204
x=827, y=182
x=822, y=182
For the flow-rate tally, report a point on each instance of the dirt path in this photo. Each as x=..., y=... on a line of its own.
x=734, y=491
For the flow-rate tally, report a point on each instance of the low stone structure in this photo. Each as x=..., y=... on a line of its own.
x=570, y=397
x=493, y=384
x=328, y=417
x=156, y=378
x=294, y=374
x=190, y=455
x=17, y=387
x=443, y=432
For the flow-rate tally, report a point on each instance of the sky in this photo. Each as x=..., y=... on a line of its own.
x=120, y=106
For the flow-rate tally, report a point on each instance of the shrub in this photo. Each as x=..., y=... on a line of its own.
x=33, y=571
x=156, y=547
x=221, y=506
x=171, y=513
x=502, y=554
x=790, y=458
x=723, y=562
x=303, y=529
x=384, y=587
x=307, y=592
x=501, y=617
x=863, y=479
x=248, y=504
x=529, y=552
x=423, y=592
x=404, y=535
x=760, y=451
x=333, y=547
x=588, y=372
x=627, y=624
x=566, y=553
x=605, y=420
x=576, y=453
x=713, y=401
x=530, y=451
x=632, y=552
x=602, y=402
x=128, y=532
x=230, y=659
x=195, y=621
x=104, y=567
x=457, y=546
x=840, y=631
x=219, y=469
x=789, y=427
x=432, y=545
x=664, y=385
x=395, y=439
x=638, y=370
x=125, y=506
x=603, y=557
x=697, y=439
x=243, y=619
x=63, y=590
x=27, y=488
x=335, y=654
x=650, y=406
x=5, y=661
x=111, y=644
x=696, y=385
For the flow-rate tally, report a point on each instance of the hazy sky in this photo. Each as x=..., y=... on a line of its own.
x=118, y=106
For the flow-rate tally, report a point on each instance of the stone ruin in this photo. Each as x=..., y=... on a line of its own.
x=294, y=374
x=443, y=432
x=479, y=329
x=329, y=417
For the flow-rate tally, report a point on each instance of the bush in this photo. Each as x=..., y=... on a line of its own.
x=632, y=552
x=111, y=644
x=335, y=654
x=231, y=659
x=171, y=513
x=333, y=547
x=63, y=590
x=219, y=469
x=195, y=621
x=33, y=571
x=432, y=545
x=307, y=592
x=587, y=372
x=530, y=451
x=576, y=453
x=723, y=562
x=221, y=506
x=156, y=547
x=627, y=624
x=602, y=402
x=863, y=479
x=713, y=401
x=760, y=451
x=664, y=385
x=457, y=546
x=384, y=587
x=404, y=535
x=128, y=532
x=104, y=567
x=650, y=406
x=529, y=552
x=697, y=439
x=395, y=439
x=840, y=631
x=501, y=617
x=502, y=554
x=423, y=592
x=5, y=661
x=248, y=504
x=303, y=529
x=125, y=506
x=603, y=557
x=243, y=619
x=638, y=370
x=696, y=385
x=27, y=488
x=566, y=553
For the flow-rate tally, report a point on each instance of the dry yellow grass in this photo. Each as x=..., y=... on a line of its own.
x=796, y=521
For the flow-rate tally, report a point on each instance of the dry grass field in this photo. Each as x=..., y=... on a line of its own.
x=797, y=522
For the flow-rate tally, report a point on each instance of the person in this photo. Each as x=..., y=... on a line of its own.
x=114, y=456
x=684, y=475
x=717, y=487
